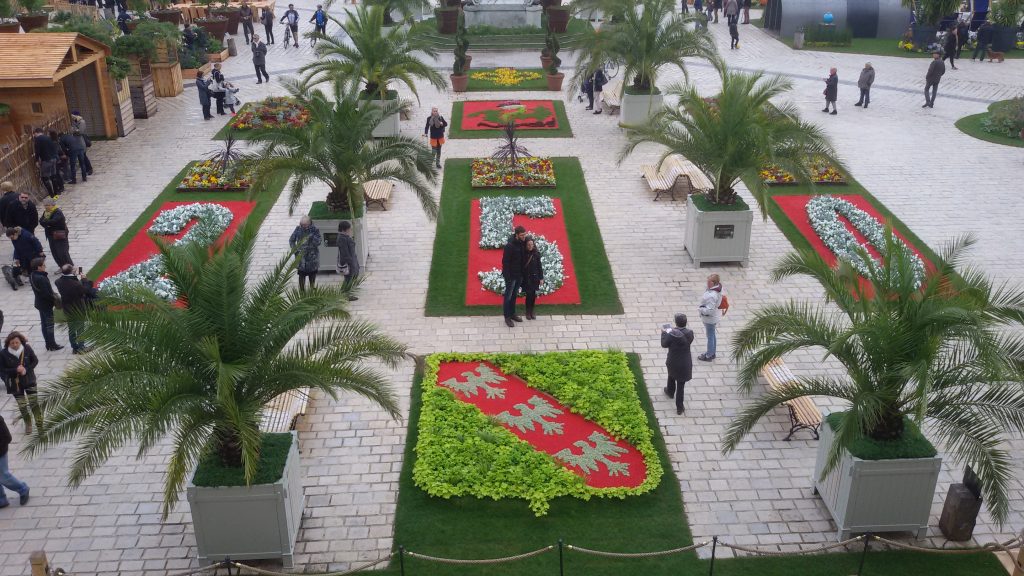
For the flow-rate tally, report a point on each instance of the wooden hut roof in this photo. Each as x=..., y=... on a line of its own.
x=40, y=60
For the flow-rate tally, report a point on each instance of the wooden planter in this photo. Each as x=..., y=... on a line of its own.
x=217, y=56
x=190, y=73
x=169, y=16
x=30, y=22
x=10, y=27
x=234, y=16
x=215, y=27
x=167, y=80
x=143, y=89
x=121, y=95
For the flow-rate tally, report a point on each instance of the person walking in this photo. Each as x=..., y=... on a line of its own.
x=533, y=275
x=291, y=18
x=267, y=18
x=718, y=6
x=203, y=88
x=76, y=294
x=348, y=258
x=963, y=32
x=8, y=480
x=217, y=89
x=679, y=360
x=18, y=363
x=831, y=91
x=45, y=301
x=733, y=20
x=245, y=17
x=231, y=97
x=931, y=80
x=74, y=147
x=599, y=80
x=588, y=91
x=78, y=126
x=26, y=249
x=24, y=213
x=711, y=315
x=259, y=59
x=685, y=6
x=305, y=244
x=949, y=46
x=434, y=129
x=319, y=21
x=746, y=11
x=512, y=258
x=55, y=227
x=867, y=78
x=985, y=34
x=47, y=155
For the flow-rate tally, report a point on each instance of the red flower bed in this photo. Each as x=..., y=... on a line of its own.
x=493, y=114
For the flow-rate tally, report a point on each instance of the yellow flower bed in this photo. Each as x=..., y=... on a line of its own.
x=505, y=76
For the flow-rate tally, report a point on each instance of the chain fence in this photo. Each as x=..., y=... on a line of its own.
x=229, y=567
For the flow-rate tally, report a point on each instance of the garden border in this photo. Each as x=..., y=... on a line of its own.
x=564, y=129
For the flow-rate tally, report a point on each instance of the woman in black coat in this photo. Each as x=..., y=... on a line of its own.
x=679, y=361
x=18, y=366
x=533, y=276
x=55, y=226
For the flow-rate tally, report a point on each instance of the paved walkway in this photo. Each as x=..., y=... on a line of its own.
x=938, y=181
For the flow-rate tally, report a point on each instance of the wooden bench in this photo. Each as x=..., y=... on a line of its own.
x=281, y=413
x=611, y=95
x=803, y=414
x=377, y=192
x=676, y=172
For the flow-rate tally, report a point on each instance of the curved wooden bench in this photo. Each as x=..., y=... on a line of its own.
x=611, y=95
x=803, y=413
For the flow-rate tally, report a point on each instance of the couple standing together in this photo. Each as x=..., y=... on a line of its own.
x=521, y=270
x=713, y=305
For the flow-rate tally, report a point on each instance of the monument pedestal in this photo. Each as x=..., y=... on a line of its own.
x=503, y=15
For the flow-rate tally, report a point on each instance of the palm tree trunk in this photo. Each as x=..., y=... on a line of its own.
x=338, y=199
x=889, y=428
x=229, y=448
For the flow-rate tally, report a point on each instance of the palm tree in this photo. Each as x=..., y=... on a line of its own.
x=407, y=8
x=337, y=148
x=943, y=352
x=201, y=373
x=372, y=55
x=733, y=135
x=650, y=35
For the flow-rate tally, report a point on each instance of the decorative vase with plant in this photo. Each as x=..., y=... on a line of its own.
x=459, y=78
x=558, y=18
x=928, y=14
x=545, y=52
x=1006, y=16
x=215, y=26
x=166, y=13
x=554, y=77
x=232, y=13
x=32, y=16
x=8, y=25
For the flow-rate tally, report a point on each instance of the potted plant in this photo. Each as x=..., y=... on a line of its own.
x=216, y=52
x=209, y=397
x=650, y=36
x=33, y=16
x=1006, y=16
x=447, y=19
x=192, y=61
x=545, y=52
x=337, y=148
x=554, y=77
x=919, y=345
x=729, y=138
x=166, y=13
x=927, y=16
x=233, y=15
x=459, y=78
x=372, y=57
x=558, y=18
x=8, y=25
x=214, y=26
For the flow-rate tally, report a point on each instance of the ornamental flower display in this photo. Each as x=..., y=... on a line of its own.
x=822, y=173
x=824, y=212
x=207, y=175
x=529, y=171
x=496, y=216
x=505, y=76
x=551, y=261
x=269, y=113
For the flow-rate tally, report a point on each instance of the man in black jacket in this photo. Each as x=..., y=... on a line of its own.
x=348, y=258
x=7, y=480
x=931, y=80
x=985, y=33
x=831, y=91
x=9, y=199
x=679, y=360
x=512, y=259
x=23, y=213
x=76, y=292
x=45, y=301
x=47, y=154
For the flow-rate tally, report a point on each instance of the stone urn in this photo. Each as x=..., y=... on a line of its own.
x=459, y=82
x=555, y=81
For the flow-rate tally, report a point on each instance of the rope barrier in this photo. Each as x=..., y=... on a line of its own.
x=209, y=568
x=760, y=552
x=485, y=561
x=582, y=550
x=990, y=547
x=261, y=571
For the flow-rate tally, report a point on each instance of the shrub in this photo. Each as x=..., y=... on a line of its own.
x=825, y=35
x=1006, y=118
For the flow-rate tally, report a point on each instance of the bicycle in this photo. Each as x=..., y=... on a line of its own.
x=287, y=35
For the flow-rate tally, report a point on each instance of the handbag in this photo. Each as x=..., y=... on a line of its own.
x=59, y=235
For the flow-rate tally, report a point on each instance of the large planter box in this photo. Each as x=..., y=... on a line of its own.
x=637, y=108
x=329, y=247
x=249, y=522
x=143, y=89
x=167, y=80
x=876, y=495
x=389, y=125
x=717, y=236
x=190, y=73
x=217, y=56
x=1004, y=38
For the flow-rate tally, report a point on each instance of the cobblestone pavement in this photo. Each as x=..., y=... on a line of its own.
x=937, y=180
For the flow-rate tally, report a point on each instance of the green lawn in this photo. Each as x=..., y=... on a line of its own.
x=446, y=295
x=466, y=528
x=885, y=47
x=170, y=194
x=479, y=85
x=971, y=125
x=563, y=131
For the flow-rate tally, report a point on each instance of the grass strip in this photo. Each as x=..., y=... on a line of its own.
x=971, y=125
x=563, y=131
x=479, y=85
x=273, y=456
x=882, y=47
x=446, y=294
x=264, y=202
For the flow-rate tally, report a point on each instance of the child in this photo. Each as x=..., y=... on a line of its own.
x=230, y=98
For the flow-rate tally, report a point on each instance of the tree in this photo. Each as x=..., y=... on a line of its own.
x=337, y=148
x=733, y=135
x=201, y=373
x=947, y=352
x=651, y=35
x=408, y=9
x=371, y=55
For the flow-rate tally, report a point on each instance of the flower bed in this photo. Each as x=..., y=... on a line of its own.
x=207, y=176
x=269, y=113
x=821, y=172
x=493, y=114
x=505, y=77
x=532, y=171
x=560, y=424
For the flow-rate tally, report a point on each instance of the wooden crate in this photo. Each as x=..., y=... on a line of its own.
x=218, y=56
x=190, y=73
x=167, y=81
x=123, y=114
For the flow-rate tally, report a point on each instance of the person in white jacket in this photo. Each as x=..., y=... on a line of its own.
x=710, y=315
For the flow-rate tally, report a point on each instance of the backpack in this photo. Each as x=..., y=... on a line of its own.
x=724, y=305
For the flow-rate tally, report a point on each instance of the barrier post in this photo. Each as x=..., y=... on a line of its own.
x=714, y=547
x=864, y=554
x=38, y=563
x=561, y=561
x=401, y=560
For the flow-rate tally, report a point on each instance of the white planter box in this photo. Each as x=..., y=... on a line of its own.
x=876, y=495
x=718, y=236
x=637, y=108
x=249, y=522
x=329, y=247
x=389, y=125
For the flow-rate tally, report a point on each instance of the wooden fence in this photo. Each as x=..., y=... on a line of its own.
x=17, y=158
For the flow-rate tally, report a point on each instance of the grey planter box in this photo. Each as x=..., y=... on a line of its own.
x=637, y=108
x=329, y=247
x=719, y=236
x=876, y=495
x=249, y=522
x=389, y=125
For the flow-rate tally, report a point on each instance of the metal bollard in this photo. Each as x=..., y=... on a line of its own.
x=864, y=554
x=401, y=560
x=714, y=548
x=232, y=49
x=561, y=564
